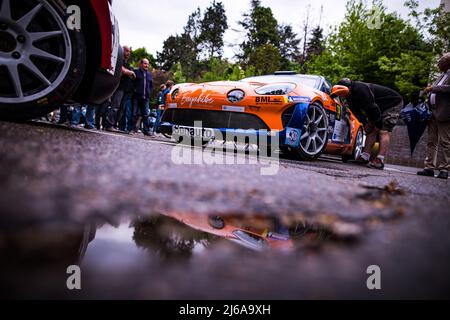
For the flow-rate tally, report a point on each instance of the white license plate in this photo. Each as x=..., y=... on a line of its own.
x=200, y=133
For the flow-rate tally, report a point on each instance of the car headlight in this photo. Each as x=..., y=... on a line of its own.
x=236, y=95
x=278, y=89
x=175, y=93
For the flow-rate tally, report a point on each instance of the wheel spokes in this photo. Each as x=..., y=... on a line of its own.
x=308, y=144
x=32, y=67
x=319, y=119
x=28, y=17
x=320, y=140
x=14, y=74
x=40, y=59
x=36, y=36
x=315, y=131
x=45, y=55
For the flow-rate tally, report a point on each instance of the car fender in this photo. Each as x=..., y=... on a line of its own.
x=291, y=135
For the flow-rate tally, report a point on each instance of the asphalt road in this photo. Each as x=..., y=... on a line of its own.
x=107, y=202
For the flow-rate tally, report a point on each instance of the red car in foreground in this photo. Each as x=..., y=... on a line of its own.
x=56, y=51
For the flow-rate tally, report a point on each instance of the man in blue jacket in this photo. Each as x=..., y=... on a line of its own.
x=143, y=85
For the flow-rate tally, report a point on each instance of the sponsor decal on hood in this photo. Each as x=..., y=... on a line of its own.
x=197, y=100
x=299, y=99
x=270, y=100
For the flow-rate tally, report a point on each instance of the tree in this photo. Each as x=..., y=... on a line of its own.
x=183, y=49
x=266, y=59
x=434, y=24
x=139, y=54
x=170, y=53
x=261, y=29
x=378, y=55
x=316, y=44
x=213, y=27
x=289, y=46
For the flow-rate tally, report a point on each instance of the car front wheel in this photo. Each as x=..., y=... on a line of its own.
x=41, y=61
x=357, y=148
x=314, y=139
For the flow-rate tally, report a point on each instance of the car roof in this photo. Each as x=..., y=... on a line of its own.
x=306, y=79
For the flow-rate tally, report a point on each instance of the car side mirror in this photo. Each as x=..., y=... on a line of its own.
x=340, y=91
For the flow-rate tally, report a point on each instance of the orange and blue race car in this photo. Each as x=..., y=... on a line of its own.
x=304, y=112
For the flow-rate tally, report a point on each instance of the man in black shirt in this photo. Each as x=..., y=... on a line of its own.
x=120, y=97
x=378, y=108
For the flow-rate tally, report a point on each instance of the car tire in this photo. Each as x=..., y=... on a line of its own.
x=49, y=57
x=314, y=138
x=357, y=148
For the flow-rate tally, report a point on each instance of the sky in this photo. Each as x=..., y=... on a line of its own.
x=147, y=23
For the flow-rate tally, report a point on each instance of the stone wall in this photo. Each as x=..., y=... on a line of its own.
x=399, y=151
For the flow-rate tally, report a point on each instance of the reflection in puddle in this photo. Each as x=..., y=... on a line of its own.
x=35, y=257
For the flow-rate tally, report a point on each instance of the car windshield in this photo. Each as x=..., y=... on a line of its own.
x=306, y=80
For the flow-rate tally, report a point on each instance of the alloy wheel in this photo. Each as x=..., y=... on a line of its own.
x=35, y=50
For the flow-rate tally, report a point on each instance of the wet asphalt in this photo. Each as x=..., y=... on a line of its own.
x=121, y=208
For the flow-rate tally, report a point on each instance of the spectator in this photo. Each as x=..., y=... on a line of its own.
x=143, y=85
x=169, y=86
x=439, y=125
x=160, y=102
x=101, y=122
x=120, y=97
x=89, y=116
x=378, y=108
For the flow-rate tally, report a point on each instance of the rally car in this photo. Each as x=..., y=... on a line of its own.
x=304, y=112
x=56, y=51
x=255, y=233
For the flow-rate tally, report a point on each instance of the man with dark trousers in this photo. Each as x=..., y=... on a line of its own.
x=439, y=124
x=120, y=97
x=143, y=85
x=378, y=108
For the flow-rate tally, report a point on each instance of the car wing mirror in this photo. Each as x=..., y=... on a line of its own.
x=340, y=91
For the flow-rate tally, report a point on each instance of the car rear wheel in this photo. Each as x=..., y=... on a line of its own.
x=314, y=139
x=357, y=149
x=41, y=60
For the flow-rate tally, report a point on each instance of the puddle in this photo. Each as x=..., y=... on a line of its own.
x=41, y=253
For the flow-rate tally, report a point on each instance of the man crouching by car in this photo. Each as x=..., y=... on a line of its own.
x=378, y=107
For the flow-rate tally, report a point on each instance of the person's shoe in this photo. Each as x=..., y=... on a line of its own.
x=376, y=164
x=111, y=129
x=443, y=175
x=360, y=161
x=426, y=173
x=89, y=127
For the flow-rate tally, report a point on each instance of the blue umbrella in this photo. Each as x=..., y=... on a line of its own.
x=416, y=119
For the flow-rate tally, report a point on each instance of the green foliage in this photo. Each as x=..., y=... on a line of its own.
x=289, y=46
x=141, y=53
x=178, y=75
x=434, y=24
x=395, y=54
x=261, y=30
x=266, y=59
x=213, y=26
